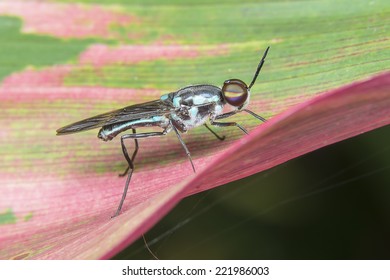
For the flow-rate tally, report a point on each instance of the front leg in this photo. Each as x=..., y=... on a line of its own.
x=255, y=115
x=229, y=114
x=221, y=138
x=224, y=124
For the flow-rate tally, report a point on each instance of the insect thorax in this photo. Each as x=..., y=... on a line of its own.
x=195, y=105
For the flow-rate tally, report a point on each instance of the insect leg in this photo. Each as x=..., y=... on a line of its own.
x=215, y=134
x=226, y=115
x=132, y=157
x=184, y=146
x=223, y=124
x=255, y=115
x=125, y=172
x=130, y=161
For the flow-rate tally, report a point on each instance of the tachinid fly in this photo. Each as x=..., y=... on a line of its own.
x=179, y=111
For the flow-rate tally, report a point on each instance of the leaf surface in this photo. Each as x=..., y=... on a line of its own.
x=319, y=85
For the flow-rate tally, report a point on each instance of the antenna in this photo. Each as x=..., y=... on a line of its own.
x=259, y=68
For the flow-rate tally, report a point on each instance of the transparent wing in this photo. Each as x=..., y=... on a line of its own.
x=133, y=112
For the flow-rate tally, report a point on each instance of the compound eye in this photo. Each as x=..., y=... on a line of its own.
x=235, y=92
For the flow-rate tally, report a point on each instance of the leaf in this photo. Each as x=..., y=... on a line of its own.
x=80, y=207
x=299, y=130
x=58, y=193
x=77, y=21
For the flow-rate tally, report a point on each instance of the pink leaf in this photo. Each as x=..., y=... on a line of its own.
x=66, y=215
x=66, y=20
x=100, y=55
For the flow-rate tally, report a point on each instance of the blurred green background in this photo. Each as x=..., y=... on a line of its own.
x=333, y=203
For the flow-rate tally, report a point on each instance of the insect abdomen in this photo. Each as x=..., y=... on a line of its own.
x=108, y=132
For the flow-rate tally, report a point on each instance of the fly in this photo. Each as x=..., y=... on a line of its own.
x=179, y=111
